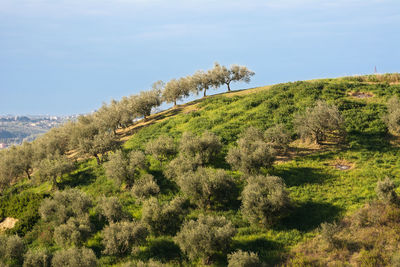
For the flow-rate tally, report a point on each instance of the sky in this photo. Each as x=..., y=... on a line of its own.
x=69, y=56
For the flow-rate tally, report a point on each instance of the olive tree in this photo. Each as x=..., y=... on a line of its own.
x=208, y=188
x=317, y=122
x=111, y=209
x=147, y=100
x=125, y=168
x=64, y=205
x=223, y=75
x=73, y=232
x=108, y=117
x=11, y=249
x=120, y=237
x=252, y=152
x=37, y=258
x=202, y=81
x=264, y=199
x=278, y=136
x=181, y=165
x=25, y=158
x=243, y=259
x=164, y=219
x=392, y=118
x=145, y=186
x=203, y=148
x=54, y=166
x=162, y=148
x=205, y=237
x=176, y=89
x=74, y=257
x=91, y=140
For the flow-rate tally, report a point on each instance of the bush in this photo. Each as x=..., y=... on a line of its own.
x=203, y=148
x=150, y=263
x=208, y=188
x=145, y=187
x=264, y=199
x=75, y=257
x=110, y=208
x=205, y=237
x=73, y=233
x=328, y=232
x=252, y=152
x=64, y=205
x=385, y=191
x=392, y=118
x=163, y=148
x=319, y=121
x=37, y=258
x=119, y=238
x=278, y=136
x=164, y=219
x=243, y=259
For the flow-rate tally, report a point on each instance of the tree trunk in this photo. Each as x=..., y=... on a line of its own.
x=98, y=159
x=205, y=92
x=229, y=87
x=175, y=103
x=27, y=173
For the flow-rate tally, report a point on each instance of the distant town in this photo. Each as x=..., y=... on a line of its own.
x=16, y=129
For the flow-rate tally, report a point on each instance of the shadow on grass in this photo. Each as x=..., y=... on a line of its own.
x=308, y=216
x=82, y=177
x=369, y=141
x=161, y=249
x=296, y=176
x=267, y=250
x=166, y=186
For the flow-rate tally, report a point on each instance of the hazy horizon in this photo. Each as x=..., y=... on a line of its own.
x=67, y=57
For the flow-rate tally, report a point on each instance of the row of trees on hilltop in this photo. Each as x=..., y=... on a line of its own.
x=95, y=134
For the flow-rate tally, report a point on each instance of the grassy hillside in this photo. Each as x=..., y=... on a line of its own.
x=320, y=190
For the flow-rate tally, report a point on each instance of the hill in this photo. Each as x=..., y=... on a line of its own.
x=326, y=182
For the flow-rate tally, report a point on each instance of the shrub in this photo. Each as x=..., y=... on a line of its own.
x=328, y=232
x=385, y=191
x=208, y=188
x=73, y=233
x=203, y=148
x=278, y=136
x=74, y=257
x=318, y=122
x=110, y=208
x=205, y=237
x=117, y=167
x=243, y=259
x=150, y=263
x=163, y=148
x=119, y=238
x=164, y=219
x=145, y=187
x=264, y=199
x=392, y=118
x=252, y=152
x=64, y=205
x=37, y=258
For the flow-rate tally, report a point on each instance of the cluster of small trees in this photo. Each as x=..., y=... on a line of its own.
x=94, y=135
x=201, y=81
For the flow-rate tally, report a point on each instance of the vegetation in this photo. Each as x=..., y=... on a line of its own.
x=199, y=183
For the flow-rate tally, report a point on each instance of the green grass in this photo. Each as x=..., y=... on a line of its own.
x=319, y=191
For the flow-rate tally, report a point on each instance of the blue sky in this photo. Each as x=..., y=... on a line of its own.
x=68, y=56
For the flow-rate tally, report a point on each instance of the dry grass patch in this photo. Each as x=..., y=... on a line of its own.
x=369, y=237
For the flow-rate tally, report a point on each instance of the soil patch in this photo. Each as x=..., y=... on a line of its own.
x=342, y=165
x=361, y=95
